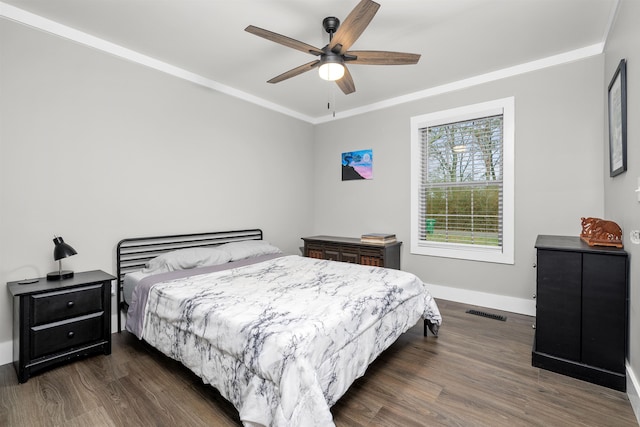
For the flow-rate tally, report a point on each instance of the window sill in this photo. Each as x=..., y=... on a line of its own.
x=466, y=252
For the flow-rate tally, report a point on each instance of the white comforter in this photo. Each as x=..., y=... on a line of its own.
x=284, y=339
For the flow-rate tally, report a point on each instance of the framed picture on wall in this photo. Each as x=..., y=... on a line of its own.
x=618, y=120
x=357, y=165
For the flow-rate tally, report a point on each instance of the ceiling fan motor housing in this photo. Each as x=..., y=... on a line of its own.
x=330, y=24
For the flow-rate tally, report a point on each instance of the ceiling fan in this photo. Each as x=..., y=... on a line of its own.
x=333, y=56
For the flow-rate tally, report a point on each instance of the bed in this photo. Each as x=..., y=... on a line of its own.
x=282, y=337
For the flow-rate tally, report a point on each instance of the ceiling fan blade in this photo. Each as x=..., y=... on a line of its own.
x=379, y=57
x=346, y=82
x=353, y=25
x=284, y=40
x=294, y=72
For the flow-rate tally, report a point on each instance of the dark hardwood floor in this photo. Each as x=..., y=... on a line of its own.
x=477, y=373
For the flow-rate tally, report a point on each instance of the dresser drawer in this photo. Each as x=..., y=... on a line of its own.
x=314, y=251
x=67, y=334
x=372, y=256
x=53, y=306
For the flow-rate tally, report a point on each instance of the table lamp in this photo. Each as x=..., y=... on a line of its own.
x=62, y=250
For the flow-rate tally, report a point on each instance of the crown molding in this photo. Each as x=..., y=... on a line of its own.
x=550, y=61
x=18, y=15
x=32, y=20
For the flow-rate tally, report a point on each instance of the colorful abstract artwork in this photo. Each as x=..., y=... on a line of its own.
x=357, y=165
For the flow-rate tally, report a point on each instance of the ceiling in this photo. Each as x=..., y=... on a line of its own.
x=458, y=40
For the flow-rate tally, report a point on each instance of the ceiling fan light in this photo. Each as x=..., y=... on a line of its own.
x=331, y=71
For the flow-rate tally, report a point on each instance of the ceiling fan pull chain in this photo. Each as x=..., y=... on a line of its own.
x=333, y=99
x=333, y=93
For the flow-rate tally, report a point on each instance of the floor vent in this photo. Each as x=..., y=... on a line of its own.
x=489, y=315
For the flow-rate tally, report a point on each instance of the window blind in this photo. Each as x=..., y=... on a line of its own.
x=461, y=182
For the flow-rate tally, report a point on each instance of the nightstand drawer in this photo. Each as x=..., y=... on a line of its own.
x=53, y=306
x=47, y=339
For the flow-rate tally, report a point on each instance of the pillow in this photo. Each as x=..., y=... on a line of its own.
x=249, y=249
x=183, y=259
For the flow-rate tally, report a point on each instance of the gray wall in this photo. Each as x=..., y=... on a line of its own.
x=621, y=203
x=558, y=173
x=96, y=149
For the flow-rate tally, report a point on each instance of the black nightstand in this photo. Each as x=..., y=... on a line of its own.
x=57, y=321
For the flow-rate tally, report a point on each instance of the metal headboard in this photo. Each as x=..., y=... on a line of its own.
x=133, y=253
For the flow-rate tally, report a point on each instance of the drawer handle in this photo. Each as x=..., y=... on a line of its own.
x=70, y=304
x=70, y=334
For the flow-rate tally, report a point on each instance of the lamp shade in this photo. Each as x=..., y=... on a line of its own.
x=62, y=250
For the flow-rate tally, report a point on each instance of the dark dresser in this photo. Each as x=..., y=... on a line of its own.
x=582, y=310
x=350, y=249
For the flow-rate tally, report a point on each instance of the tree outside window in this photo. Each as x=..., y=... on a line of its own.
x=463, y=182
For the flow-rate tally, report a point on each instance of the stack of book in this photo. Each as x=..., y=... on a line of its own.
x=378, y=238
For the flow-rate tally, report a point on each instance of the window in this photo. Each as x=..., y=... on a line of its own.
x=462, y=182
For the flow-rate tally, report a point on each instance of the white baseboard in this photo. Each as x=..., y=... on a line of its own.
x=6, y=352
x=633, y=391
x=114, y=323
x=483, y=299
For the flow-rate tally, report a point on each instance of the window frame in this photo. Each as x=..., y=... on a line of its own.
x=504, y=254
